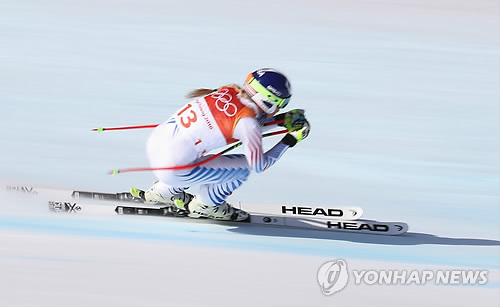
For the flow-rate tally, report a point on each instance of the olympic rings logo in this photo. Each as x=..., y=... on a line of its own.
x=227, y=107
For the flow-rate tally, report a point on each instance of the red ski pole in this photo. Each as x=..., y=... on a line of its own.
x=155, y=125
x=141, y=169
x=124, y=128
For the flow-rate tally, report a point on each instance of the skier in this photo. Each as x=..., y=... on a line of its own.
x=214, y=119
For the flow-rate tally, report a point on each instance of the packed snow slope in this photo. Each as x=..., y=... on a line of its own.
x=402, y=97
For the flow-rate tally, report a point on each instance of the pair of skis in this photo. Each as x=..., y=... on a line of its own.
x=334, y=219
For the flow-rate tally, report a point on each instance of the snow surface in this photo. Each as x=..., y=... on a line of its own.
x=403, y=101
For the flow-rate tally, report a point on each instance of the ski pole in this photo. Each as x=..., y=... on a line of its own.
x=125, y=128
x=155, y=125
x=141, y=169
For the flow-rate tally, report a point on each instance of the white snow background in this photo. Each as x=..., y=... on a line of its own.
x=402, y=97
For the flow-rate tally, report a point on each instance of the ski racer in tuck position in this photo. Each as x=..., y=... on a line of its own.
x=214, y=119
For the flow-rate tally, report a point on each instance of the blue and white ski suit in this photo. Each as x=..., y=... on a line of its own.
x=205, y=124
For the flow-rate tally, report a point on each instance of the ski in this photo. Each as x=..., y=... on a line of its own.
x=333, y=225
x=123, y=196
x=343, y=212
x=358, y=226
x=348, y=213
x=70, y=206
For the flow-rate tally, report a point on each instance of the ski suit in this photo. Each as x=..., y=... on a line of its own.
x=202, y=125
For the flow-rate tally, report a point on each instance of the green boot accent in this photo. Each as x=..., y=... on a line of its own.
x=137, y=193
x=179, y=204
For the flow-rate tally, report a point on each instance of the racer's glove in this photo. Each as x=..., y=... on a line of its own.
x=293, y=120
x=293, y=137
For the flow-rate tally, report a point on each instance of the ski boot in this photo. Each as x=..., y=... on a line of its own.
x=176, y=203
x=153, y=196
x=223, y=212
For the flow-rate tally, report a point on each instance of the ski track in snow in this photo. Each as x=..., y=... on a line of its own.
x=403, y=101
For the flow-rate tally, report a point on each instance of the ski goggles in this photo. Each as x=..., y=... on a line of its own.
x=270, y=97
